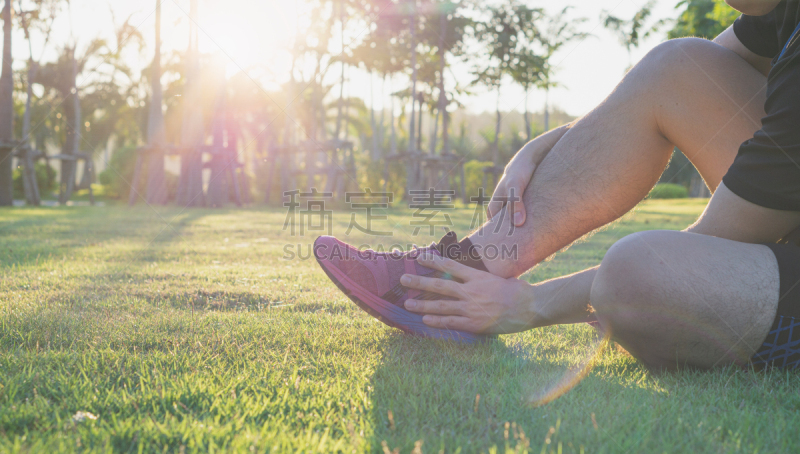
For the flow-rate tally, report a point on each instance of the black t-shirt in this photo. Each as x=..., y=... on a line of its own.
x=767, y=169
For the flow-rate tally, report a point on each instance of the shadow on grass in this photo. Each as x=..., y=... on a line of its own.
x=32, y=236
x=457, y=397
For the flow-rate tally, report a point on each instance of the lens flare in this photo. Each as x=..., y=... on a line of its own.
x=573, y=376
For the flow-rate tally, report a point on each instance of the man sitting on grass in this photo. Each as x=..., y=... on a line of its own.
x=721, y=292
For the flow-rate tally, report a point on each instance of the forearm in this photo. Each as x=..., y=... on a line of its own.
x=538, y=148
x=563, y=300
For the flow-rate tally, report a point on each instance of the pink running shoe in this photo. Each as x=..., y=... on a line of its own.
x=372, y=280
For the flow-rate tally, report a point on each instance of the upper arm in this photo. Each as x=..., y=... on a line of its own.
x=729, y=40
x=734, y=218
x=753, y=7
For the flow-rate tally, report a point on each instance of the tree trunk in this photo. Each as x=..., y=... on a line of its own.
x=190, y=185
x=442, y=105
x=346, y=116
x=341, y=88
x=419, y=126
x=413, y=118
x=156, y=184
x=375, y=152
x=323, y=116
x=32, y=195
x=411, y=161
x=496, y=145
x=316, y=92
x=218, y=184
x=26, y=118
x=527, y=117
x=435, y=135
x=393, y=138
x=382, y=122
x=72, y=116
x=547, y=109
x=6, y=112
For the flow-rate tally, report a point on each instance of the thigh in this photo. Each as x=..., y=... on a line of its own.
x=709, y=102
x=679, y=299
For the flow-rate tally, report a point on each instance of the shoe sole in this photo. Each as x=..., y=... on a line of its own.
x=390, y=314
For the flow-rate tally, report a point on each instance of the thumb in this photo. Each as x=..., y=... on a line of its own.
x=515, y=204
x=496, y=203
x=519, y=215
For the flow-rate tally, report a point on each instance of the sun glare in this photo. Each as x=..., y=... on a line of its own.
x=250, y=35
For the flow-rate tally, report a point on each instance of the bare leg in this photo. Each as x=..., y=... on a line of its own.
x=673, y=299
x=689, y=93
x=677, y=299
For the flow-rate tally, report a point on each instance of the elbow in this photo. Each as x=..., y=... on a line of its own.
x=753, y=7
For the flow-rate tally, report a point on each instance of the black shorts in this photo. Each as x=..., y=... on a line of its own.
x=766, y=170
x=781, y=348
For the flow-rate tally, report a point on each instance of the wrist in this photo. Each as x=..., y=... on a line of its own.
x=529, y=313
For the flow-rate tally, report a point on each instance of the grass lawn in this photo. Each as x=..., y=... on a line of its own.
x=186, y=331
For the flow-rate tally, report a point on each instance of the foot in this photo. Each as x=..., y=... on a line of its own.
x=372, y=280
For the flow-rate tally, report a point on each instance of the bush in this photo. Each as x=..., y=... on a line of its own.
x=119, y=173
x=473, y=171
x=45, y=178
x=669, y=191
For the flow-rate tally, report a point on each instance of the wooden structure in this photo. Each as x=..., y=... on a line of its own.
x=223, y=163
x=433, y=171
x=69, y=164
x=147, y=154
x=190, y=181
x=436, y=171
x=333, y=161
x=412, y=159
x=280, y=162
x=28, y=156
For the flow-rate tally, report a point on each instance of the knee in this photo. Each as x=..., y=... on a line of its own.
x=674, y=52
x=628, y=291
x=669, y=59
x=628, y=280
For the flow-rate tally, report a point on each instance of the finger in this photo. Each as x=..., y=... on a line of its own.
x=516, y=208
x=449, y=322
x=448, y=266
x=443, y=307
x=439, y=286
x=496, y=204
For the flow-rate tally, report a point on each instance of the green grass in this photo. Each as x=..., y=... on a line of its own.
x=186, y=331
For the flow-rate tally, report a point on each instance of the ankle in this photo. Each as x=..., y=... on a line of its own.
x=496, y=259
x=465, y=253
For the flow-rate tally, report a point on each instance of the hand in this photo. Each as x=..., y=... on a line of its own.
x=485, y=304
x=518, y=174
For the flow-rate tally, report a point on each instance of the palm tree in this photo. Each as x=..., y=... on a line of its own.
x=504, y=34
x=340, y=104
x=42, y=17
x=6, y=112
x=446, y=29
x=156, y=138
x=527, y=71
x=412, y=12
x=190, y=183
x=554, y=33
x=632, y=31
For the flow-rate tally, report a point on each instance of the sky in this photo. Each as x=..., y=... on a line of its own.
x=247, y=34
